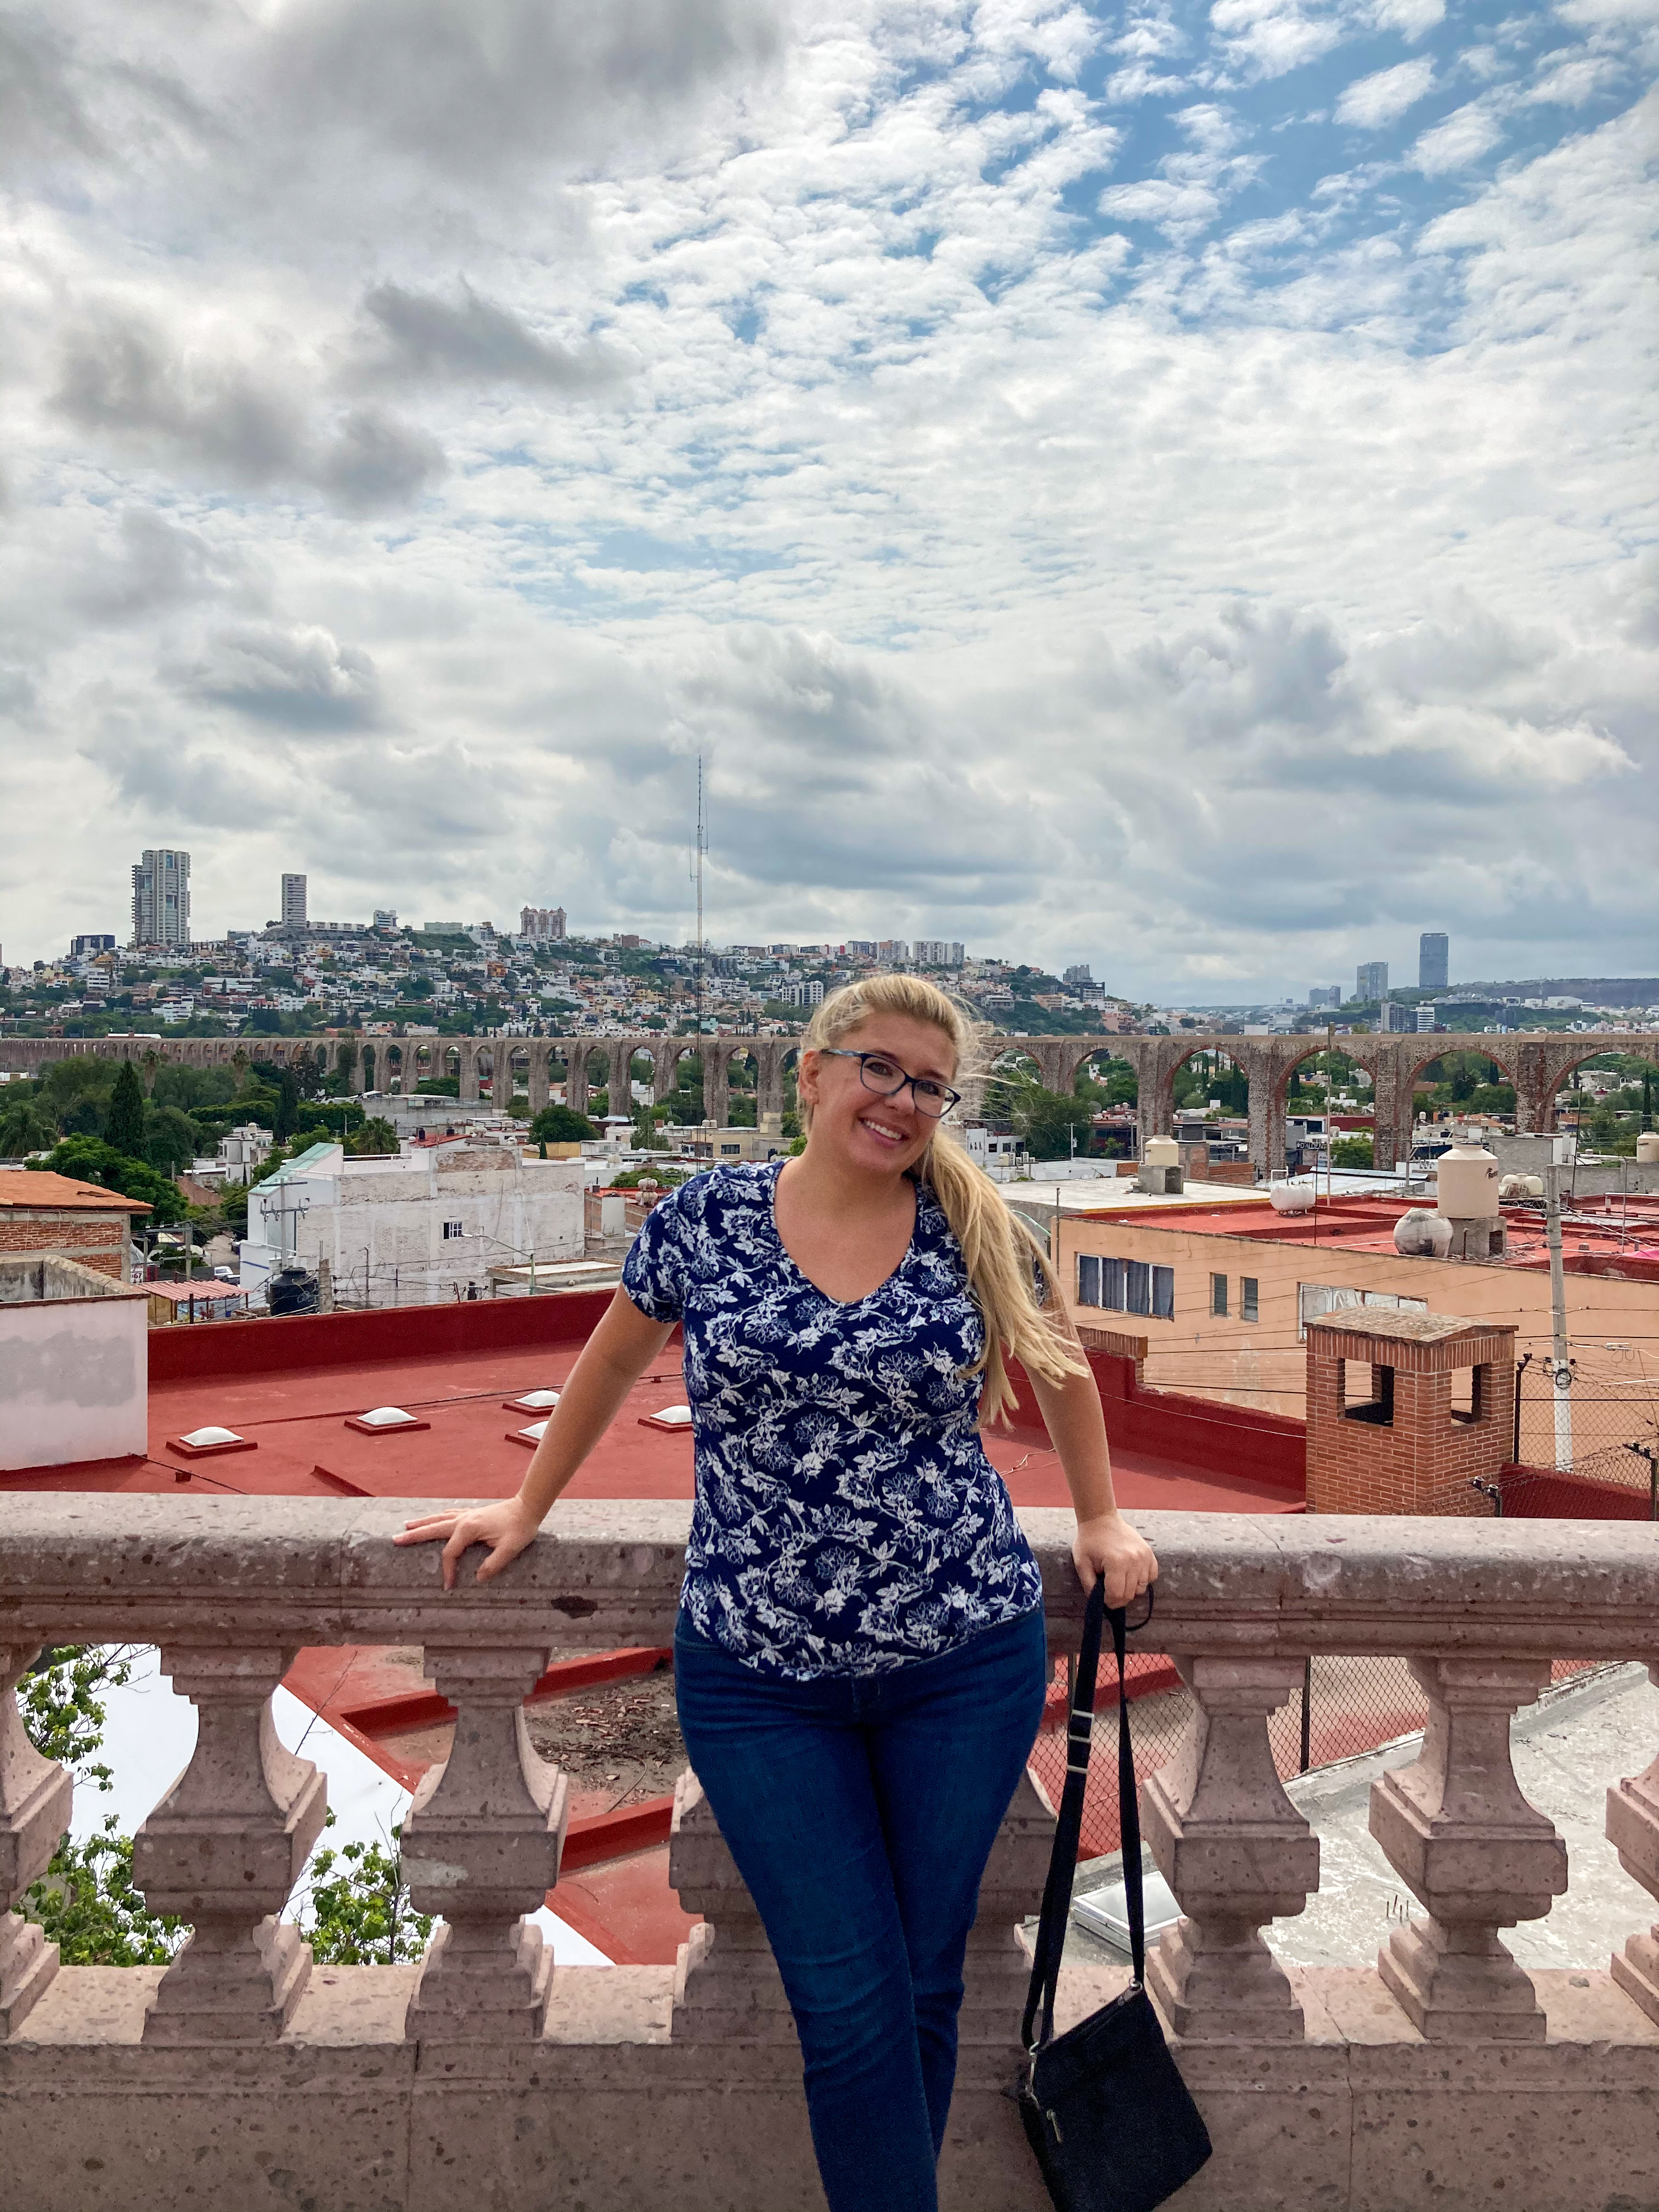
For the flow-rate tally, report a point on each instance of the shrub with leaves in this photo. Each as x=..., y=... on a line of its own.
x=59, y=1702
x=87, y=1905
x=359, y=1913
x=85, y=1900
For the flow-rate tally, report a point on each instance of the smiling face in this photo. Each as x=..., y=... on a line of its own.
x=878, y=1135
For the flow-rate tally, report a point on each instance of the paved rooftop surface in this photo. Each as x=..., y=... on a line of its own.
x=298, y=1418
x=1581, y=1737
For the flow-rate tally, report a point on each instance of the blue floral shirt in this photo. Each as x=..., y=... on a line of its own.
x=847, y=1520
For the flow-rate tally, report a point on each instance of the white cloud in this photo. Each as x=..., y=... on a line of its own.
x=1412, y=19
x=414, y=514
x=1372, y=102
x=1462, y=140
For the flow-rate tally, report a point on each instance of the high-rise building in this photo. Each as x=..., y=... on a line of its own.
x=294, y=902
x=161, y=898
x=386, y=917
x=85, y=945
x=1371, y=980
x=938, y=952
x=542, y=924
x=1078, y=973
x=1324, y=994
x=1433, y=960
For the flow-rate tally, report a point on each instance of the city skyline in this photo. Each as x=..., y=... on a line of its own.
x=1148, y=484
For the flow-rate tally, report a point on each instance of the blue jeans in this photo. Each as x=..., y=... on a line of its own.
x=860, y=1811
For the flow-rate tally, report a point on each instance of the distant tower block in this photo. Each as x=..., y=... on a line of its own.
x=542, y=924
x=1371, y=982
x=161, y=897
x=294, y=902
x=1433, y=960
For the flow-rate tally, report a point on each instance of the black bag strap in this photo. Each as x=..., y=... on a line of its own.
x=1068, y=1828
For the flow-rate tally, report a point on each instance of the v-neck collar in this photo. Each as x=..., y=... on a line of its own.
x=841, y=1305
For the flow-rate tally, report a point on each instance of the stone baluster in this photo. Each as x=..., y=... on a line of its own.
x=997, y=1970
x=1633, y=1832
x=1235, y=1852
x=222, y=1851
x=1456, y=1829
x=481, y=1846
x=727, y=1988
x=35, y=1795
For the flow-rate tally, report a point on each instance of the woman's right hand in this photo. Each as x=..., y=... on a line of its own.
x=507, y=1526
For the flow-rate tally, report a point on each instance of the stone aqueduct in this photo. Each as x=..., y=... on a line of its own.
x=1537, y=1065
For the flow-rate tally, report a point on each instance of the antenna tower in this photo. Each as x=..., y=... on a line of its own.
x=696, y=873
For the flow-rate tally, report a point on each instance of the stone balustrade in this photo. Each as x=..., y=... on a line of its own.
x=1442, y=2074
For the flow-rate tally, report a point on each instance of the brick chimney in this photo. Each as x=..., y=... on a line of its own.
x=1407, y=1411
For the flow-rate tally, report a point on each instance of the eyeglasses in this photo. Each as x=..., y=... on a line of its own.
x=887, y=1078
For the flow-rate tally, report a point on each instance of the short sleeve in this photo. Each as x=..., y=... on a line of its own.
x=653, y=1273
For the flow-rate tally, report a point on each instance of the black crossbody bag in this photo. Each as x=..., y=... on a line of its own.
x=1104, y=2108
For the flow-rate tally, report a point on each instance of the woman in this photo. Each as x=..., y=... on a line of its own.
x=860, y=1657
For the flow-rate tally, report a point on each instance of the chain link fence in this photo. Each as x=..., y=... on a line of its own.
x=1591, y=1451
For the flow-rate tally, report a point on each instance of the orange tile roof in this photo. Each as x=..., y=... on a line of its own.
x=34, y=1188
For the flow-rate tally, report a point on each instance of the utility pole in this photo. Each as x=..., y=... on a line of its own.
x=1560, y=1366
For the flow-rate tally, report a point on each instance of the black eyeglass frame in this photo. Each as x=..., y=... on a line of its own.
x=953, y=1098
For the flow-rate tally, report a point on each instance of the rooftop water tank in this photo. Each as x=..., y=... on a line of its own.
x=1420, y=1235
x=1647, y=1148
x=1291, y=1197
x=1161, y=1152
x=1466, y=1184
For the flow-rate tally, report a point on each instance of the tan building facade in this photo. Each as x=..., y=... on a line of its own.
x=1225, y=1312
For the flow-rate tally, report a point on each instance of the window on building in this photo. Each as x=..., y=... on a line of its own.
x=1315, y=1298
x=453, y=1229
x=1218, y=1296
x=733, y=1151
x=1126, y=1287
x=1248, y=1300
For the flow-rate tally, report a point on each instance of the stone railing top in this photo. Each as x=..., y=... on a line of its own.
x=286, y=1571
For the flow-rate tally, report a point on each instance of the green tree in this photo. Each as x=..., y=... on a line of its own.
x=88, y=1159
x=561, y=1125
x=285, y=1085
x=171, y=1139
x=124, y=1122
x=85, y=1901
x=1352, y=1152
x=362, y=1915
x=376, y=1135
x=26, y=1126
x=60, y=1703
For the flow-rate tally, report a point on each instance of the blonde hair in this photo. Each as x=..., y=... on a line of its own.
x=998, y=1248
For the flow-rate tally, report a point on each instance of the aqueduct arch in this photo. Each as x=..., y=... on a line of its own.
x=1537, y=1064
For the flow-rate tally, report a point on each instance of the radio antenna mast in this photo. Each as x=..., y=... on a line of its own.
x=696, y=873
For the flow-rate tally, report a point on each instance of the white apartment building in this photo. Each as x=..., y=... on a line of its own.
x=161, y=898
x=425, y=1226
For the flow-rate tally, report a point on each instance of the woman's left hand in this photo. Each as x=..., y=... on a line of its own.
x=1106, y=1546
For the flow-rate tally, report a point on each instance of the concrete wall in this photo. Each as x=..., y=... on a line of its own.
x=74, y=1379
x=380, y=1224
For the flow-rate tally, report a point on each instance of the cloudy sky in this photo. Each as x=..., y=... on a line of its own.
x=1166, y=485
